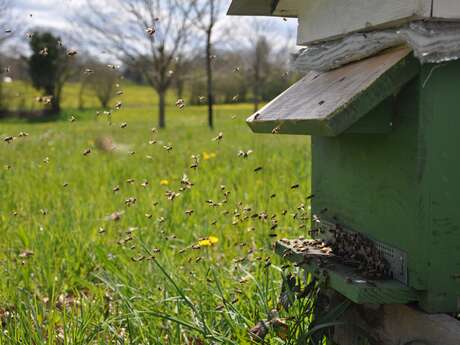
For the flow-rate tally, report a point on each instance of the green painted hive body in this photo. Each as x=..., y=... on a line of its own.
x=397, y=182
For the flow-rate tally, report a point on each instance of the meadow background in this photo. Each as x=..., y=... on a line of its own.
x=82, y=264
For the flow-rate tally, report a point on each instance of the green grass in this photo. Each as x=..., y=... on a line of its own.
x=82, y=286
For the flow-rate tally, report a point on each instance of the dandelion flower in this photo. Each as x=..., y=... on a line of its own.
x=164, y=182
x=208, y=242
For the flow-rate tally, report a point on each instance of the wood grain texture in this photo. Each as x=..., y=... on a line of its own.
x=446, y=9
x=329, y=103
x=325, y=19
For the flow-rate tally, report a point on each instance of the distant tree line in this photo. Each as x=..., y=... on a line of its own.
x=169, y=53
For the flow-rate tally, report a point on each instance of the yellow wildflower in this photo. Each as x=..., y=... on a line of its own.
x=164, y=182
x=208, y=242
x=208, y=156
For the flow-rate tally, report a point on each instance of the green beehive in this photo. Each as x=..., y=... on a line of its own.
x=385, y=164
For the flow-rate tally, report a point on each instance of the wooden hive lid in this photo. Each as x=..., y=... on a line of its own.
x=329, y=103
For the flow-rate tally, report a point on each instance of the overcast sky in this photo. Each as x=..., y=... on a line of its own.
x=59, y=15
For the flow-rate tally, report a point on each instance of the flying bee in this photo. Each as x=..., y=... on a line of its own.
x=131, y=153
x=202, y=99
x=116, y=189
x=8, y=31
x=168, y=147
x=65, y=184
x=189, y=212
x=8, y=139
x=138, y=258
x=124, y=125
x=72, y=119
x=101, y=230
x=219, y=137
x=71, y=52
x=236, y=98
x=236, y=69
x=150, y=31
x=118, y=105
x=180, y=103
x=119, y=93
x=115, y=216
x=148, y=216
x=23, y=134
x=244, y=154
x=152, y=142
x=276, y=130
x=29, y=35
x=295, y=186
x=43, y=211
x=113, y=66
x=86, y=152
x=43, y=52
x=258, y=169
x=88, y=71
x=145, y=183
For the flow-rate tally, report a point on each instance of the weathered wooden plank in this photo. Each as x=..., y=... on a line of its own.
x=446, y=9
x=344, y=280
x=329, y=103
x=325, y=19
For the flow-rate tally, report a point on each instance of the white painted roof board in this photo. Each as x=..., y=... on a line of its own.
x=446, y=9
x=326, y=19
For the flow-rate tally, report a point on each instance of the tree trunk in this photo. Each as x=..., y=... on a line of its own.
x=162, y=109
x=209, y=79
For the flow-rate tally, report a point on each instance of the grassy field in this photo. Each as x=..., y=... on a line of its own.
x=133, y=246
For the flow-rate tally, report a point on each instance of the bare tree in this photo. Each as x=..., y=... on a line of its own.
x=260, y=68
x=208, y=13
x=144, y=34
x=102, y=81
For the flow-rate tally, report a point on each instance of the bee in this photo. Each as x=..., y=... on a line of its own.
x=295, y=186
x=276, y=130
x=148, y=216
x=131, y=153
x=118, y=105
x=130, y=201
x=8, y=139
x=189, y=212
x=124, y=125
x=244, y=154
x=202, y=99
x=8, y=31
x=138, y=259
x=86, y=152
x=272, y=196
x=311, y=196
x=284, y=19
x=23, y=134
x=180, y=103
x=115, y=216
x=152, y=142
x=119, y=93
x=219, y=137
x=130, y=181
x=154, y=130
x=72, y=119
x=258, y=169
x=110, y=66
x=88, y=71
x=43, y=211
x=168, y=147
x=29, y=35
x=236, y=69
x=101, y=230
x=43, y=52
x=170, y=72
x=65, y=184
x=71, y=52
x=145, y=183
x=150, y=31
x=236, y=98
x=116, y=189
x=233, y=117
